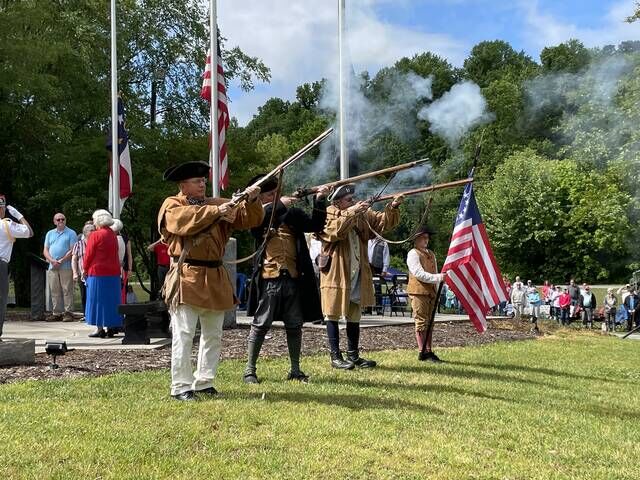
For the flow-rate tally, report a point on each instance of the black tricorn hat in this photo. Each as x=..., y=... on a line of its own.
x=424, y=230
x=268, y=186
x=186, y=170
x=342, y=191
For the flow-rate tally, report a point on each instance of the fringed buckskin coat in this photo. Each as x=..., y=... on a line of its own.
x=335, y=284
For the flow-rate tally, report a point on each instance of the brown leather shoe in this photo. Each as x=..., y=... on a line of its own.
x=55, y=317
x=67, y=317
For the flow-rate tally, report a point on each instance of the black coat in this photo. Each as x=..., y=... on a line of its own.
x=299, y=222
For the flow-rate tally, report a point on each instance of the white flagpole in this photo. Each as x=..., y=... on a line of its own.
x=344, y=154
x=115, y=156
x=215, y=140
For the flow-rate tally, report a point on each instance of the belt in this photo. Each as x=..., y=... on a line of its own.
x=200, y=263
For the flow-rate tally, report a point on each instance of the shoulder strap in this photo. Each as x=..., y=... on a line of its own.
x=6, y=229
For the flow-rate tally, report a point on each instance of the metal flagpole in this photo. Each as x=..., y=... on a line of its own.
x=344, y=154
x=115, y=153
x=215, y=140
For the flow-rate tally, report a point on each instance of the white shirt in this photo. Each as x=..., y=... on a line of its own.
x=122, y=249
x=415, y=267
x=17, y=230
x=315, y=247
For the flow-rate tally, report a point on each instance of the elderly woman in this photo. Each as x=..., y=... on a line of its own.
x=102, y=268
x=77, y=261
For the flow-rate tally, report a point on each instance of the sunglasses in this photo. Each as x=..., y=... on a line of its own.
x=60, y=219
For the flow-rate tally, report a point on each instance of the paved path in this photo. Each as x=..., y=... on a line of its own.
x=76, y=333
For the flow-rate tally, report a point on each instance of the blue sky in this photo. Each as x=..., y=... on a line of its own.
x=298, y=39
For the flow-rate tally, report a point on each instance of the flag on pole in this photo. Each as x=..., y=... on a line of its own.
x=126, y=179
x=473, y=274
x=223, y=114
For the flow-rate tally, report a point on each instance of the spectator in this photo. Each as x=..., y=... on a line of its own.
x=546, y=288
x=124, y=256
x=518, y=298
x=624, y=292
x=379, y=259
x=564, y=304
x=550, y=299
x=102, y=267
x=610, y=304
x=77, y=262
x=631, y=304
x=161, y=251
x=57, y=250
x=574, y=292
x=555, y=303
x=533, y=297
x=9, y=231
x=587, y=303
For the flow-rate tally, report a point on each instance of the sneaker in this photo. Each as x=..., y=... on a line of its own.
x=187, y=396
x=67, y=317
x=54, y=317
x=209, y=392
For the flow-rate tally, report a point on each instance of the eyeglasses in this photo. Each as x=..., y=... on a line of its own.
x=60, y=219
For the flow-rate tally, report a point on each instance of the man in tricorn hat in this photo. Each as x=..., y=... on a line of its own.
x=196, y=230
x=283, y=283
x=9, y=231
x=422, y=289
x=346, y=284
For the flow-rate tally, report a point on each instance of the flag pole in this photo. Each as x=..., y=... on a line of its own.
x=115, y=150
x=344, y=154
x=213, y=119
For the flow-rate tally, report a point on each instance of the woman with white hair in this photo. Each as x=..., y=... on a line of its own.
x=102, y=268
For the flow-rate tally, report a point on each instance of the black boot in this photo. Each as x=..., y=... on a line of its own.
x=256, y=338
x=337, y=361
x=354, y=357
x=294, y=345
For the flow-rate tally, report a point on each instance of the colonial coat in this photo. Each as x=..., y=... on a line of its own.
x=335, y=284
x=300, y=222
x=204, y=287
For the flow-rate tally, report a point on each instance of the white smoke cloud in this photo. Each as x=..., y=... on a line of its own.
x=456, y=112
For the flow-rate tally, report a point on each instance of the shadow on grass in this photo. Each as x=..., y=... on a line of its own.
x=422, y=388
x=350, y=401
x=448, y=369
x=545, y=371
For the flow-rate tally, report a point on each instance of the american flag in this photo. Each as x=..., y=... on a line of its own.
x=473, y=274
x=223, y=114
x=126, y=178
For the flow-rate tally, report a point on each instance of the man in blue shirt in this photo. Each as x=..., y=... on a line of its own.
x=57, y=250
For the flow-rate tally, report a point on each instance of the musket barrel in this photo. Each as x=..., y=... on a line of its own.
x=309, y=191
x=429, y=188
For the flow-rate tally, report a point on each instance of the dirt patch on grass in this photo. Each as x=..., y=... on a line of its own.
x=84, y=363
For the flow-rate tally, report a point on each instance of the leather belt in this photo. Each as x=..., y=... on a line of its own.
x=200, y=263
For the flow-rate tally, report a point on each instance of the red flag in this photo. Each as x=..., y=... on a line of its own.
x=223, y=114
x=473, y=274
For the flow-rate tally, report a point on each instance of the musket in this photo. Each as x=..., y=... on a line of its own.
x=239, y=197
x=429, y=188
x=303, y=192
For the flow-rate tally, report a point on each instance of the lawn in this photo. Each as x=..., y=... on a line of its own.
x=560, y=407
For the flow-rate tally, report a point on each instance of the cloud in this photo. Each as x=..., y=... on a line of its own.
x=543, y=29
x=298, y=41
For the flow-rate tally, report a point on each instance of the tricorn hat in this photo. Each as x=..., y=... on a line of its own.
x=186, y=170
x=267, y=186
x=425, y=230
x=342, y=191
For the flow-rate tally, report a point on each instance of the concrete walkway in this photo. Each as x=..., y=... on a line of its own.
x=76, y=333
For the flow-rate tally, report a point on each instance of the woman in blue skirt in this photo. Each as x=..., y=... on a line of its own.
x=102, y=267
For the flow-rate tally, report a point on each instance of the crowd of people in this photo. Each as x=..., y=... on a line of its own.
x=563, y=303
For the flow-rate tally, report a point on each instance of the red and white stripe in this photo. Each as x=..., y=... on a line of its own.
x=223, y=115
x=473, y=274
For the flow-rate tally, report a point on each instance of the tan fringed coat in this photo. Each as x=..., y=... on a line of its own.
x=335, y=285
x=208, y=288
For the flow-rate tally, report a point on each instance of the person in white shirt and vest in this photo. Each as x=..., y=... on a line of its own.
x=422, y=289
x=9, y=231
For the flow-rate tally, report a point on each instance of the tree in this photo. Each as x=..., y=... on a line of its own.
x=571, y=56
x=495, y=60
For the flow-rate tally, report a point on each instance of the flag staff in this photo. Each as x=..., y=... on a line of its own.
x=344, y=154
x=114, y=194
x=213, y=119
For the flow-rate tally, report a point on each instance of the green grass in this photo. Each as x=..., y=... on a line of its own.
x=555, y=408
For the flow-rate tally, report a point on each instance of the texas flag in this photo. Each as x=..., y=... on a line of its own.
x=126, y=180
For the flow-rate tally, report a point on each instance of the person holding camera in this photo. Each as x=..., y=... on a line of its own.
x=10, y=230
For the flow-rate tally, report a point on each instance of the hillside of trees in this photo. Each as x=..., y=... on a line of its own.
x=556, y=167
